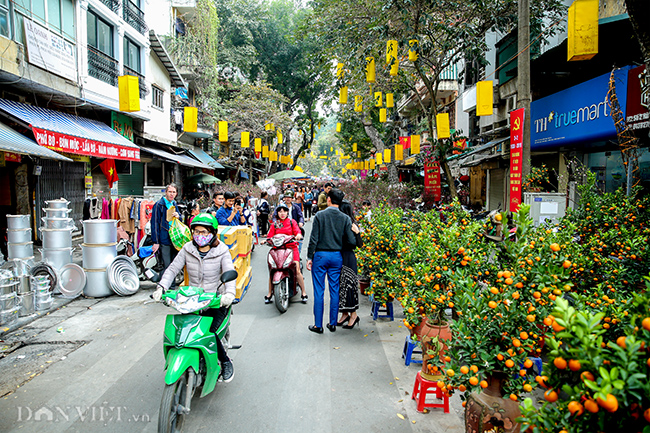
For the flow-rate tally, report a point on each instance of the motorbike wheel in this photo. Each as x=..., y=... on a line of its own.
x=169, y=420
x=281, y=295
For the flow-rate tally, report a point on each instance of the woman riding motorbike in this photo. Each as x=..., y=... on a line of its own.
x=206, y=259
x=286, y=226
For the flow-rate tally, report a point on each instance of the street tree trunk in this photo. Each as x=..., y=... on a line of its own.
x=373, y=134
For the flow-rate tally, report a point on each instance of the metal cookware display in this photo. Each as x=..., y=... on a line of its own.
x=18, y=222
x=57, y=223
x=57, y=204
x=57, y=238
x=57, y=213
x=7, y=277
x=100, y=231
x=57, y=257
x=24, y=284
x=20, y=251
x=72, y=280
x=8, y=316
x=43, y=302
x=97, y=285
x=27, y=304
x=43, y=270
x=123, y=276
x=6, y=289
x=8, y=301
x=19, y=236
x=22, y=266
x=98, y=256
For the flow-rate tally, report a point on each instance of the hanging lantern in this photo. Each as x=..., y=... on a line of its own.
x=358, y=103
x=415, y=144
x=272, y=127
x=265, y=151
x=366, y=165
x=582, y=41
x=318, y=125
x=379, y=101
x=343, y=95
x=380, y=158
x=129, y=93
x=223, y=131
x=267, y=127
x=339, y=71
x=391, y=56
x=331, y=148
x=278, y=134
x=382, y=115
x=190, y=119
x=442, y=125
x=258, y=145
x=413, y=50
x=354, y=147
x=245, y=139
x=389, y=100
x=399, y=152
x=338, y=127
x=370, y=69
x=387, y=156
x=299, y=168
x=273, y=156
x=484, y=98
x=371, y=164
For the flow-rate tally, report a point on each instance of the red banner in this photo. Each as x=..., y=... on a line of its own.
x=516, y=157
x=13, y=157
x=638, y=98
x=405, y=142
x=432, y=186
x=83, y=146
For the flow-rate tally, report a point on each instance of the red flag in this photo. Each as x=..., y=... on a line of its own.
x=405, y=142
x=108, y=168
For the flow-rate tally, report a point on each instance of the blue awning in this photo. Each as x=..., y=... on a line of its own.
x=12, y=141
x=177, y=158
x=206, y=159
x=73, y=134
x=243, y=175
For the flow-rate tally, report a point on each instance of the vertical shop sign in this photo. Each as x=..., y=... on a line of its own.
x=432, y=186
x=638, y=98
x=516, y=157
x=122, y=124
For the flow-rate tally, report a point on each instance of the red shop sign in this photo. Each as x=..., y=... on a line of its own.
x=516, y=157
x=84, y=146
x=432, y=186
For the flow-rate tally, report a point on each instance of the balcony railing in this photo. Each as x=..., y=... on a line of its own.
x=102, y=66
x=141, y=83
x=113, y=5
x=134, y=16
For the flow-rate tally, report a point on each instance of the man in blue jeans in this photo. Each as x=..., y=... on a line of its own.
x=330, y=229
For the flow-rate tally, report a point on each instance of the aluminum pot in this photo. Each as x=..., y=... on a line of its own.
x=57, y=213
x=8, y=316
x=8, y=301
x=57, y=257
x=23, y=266
x=44, y=303
x=57, y=204
x=98, y=256
x=18, y=221
x=97, y=283
x=25, y=284
x=6, y=289
x=100, y=231
x=27, y=304
x=57, y=238
x=19, y=236
x=21, y=251
x=57, y=223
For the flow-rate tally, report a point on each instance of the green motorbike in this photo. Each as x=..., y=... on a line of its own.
x=191, y=360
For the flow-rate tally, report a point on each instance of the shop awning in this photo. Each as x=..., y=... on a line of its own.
x=243, y=175
x=73, y=134
x=180, y=159
x=12, y=141
x=206, y=159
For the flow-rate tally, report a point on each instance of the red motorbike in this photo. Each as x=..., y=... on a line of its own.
x=282, y=270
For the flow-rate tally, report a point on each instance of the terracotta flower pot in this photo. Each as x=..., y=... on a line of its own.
x=425, y=332
x=363, y=286
x=489, y=411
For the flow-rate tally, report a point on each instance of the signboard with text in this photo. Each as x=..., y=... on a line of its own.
x=432, y=187
x=84, y=146
x=516, y=157
x=637, y=113
x=122, y=124
x=50, y=51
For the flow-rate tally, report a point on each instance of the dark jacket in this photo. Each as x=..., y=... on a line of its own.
x=159, y=223
x=330, y=229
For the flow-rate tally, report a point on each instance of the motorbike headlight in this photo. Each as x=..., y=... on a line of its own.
x=187, y=304
x=288, y=260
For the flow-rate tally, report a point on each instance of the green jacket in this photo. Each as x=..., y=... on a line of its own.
x=322, y=201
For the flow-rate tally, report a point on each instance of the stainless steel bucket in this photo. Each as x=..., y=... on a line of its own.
x=24, y=284
x=97, y=285
x=57, y=257
x=20, y=251
x=57, y=213
x=100, y=231
x=98, y=256
x=19, y=236
x=57, y=204
x=57, y=238
x=27, y=304
x=6, y=289
x=8, y=316
x=8, y=302
x=57, y=223
x=18, y=221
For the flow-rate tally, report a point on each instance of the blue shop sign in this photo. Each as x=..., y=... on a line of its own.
x=577, y=114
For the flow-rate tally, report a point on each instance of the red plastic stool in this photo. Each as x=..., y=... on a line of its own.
x=421, y=388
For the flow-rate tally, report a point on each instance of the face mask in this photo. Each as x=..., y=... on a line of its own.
x=203, y=240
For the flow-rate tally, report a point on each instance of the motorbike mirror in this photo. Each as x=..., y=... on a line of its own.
x=228, y=276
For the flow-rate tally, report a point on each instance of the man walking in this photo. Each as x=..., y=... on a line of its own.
x=331, y=228
x=322, y=198
x=160, y=226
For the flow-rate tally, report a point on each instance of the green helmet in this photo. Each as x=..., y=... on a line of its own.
x=205, y=220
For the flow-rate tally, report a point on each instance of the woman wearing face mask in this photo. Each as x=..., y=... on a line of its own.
x=206, y=259
x=286, y=226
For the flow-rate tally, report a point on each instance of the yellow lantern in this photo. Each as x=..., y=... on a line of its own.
x=358, y=103
x=415, y=144
x=413, y=50
x=380, y=159
x=389, y=100
x=258, y=145
x=366, y=165
x=391, y=56
x=265, y=151
x=129, y=93
x=354, y=147
x=299, y=168
x=378, y=99
x=343, y=95
x=371, y=164
x=338, y=127
x=370, y=69
x=223, y=131
x=382, y=115
x=273, y=156
x=582, y=41
x=267, y=127
x=331, y=148
x=190, y=119
x=399, y=152
x=278, y=134
x=387, y=156
x=358, y=154
x=245, y=139
x=442, y=125
x=339, y=71
x=484, y=98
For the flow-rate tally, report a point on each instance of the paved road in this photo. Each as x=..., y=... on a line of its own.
x=109, y=375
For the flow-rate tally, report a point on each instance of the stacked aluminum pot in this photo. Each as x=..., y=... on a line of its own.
x=99, y=249
x=57, y=233
x=9, y=301
x=19, y=237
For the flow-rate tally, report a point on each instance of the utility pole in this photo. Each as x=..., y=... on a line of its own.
x=523, y=77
